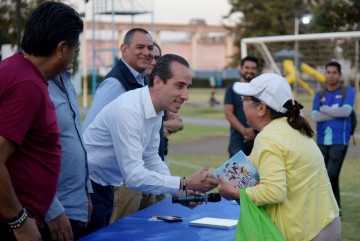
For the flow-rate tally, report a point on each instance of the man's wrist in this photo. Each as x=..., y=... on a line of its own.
x=17, y=221
x=183, y=184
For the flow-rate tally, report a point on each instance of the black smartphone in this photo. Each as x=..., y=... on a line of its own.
x=170, y=219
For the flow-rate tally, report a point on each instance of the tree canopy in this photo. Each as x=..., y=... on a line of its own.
x=11, y=20
x=13, y=15
x=277, y=17
x=337, y=15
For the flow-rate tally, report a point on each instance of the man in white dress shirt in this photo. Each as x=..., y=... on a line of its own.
x=122, y=142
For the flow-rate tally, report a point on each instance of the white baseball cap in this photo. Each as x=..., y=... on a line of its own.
x=272, y=89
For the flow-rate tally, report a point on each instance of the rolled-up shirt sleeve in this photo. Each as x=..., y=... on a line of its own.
x=56, y=208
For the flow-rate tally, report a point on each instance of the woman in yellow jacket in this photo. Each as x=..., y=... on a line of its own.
x=294, y=186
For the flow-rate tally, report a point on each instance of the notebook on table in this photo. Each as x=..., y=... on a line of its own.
x=214, y=223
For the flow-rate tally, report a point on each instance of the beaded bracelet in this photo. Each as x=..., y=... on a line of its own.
x=184, y=184
x=18, y=220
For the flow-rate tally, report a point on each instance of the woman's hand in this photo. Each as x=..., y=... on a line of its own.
x=227, y=190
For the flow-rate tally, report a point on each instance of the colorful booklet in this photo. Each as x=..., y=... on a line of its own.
x=239, y=171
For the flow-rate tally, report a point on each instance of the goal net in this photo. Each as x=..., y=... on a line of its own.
x=301, y=59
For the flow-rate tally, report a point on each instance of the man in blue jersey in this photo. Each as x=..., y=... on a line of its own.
x=331, y=112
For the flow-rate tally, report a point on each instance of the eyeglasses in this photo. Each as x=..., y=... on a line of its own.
x=246, y=98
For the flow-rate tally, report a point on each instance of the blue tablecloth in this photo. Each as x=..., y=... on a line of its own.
x=138, y=226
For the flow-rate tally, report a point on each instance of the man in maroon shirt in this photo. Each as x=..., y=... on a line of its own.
x=29, y=136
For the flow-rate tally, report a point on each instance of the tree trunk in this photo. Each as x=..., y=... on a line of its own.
x=18, y=23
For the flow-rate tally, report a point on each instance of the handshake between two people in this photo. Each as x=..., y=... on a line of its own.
x=194, y=189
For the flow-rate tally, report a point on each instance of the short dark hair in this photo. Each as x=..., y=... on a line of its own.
x=48, y=25
x=130, y=34
x=157, y=46
x=334, y=64
x=250, y=58
x=162, y=68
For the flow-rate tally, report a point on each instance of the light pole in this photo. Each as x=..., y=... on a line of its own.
x=305, y=19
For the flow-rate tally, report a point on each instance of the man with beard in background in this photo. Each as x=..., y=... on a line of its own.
x=241, y=135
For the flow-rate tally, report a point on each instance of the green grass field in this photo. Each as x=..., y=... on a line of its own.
x=185, y=164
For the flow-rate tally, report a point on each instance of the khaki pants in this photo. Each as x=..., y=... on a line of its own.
x=332, y=232
x=128, y=201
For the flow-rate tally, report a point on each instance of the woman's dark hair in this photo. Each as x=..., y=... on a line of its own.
x=295, y=120
x=162, y=68
x=48, y=25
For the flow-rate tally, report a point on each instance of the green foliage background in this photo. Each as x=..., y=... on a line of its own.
x=260, y=18
x=277, y=17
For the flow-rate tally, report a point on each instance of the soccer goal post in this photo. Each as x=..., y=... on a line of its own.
x=301, y=59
